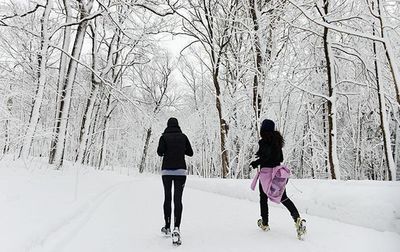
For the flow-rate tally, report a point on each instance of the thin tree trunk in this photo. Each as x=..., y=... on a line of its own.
x=104, y=134
x=86, y=122
x=390, y=55
x=223, y=127
x=35, y=115
x=6, y=148
x=396, y=150
x=332, y=113
x=145, y=148
x=87, y=116
x=357, y=163
x=222, y=123
x=311, y=142
x=391, y=168
x=302, y=150
x=6, y=139
x=325, y=132
x=91, y=154
x=258, y=60
x=61, y=78
x=312, y=156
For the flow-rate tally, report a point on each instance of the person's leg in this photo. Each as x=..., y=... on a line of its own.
x=167, y=182
x=290, y=206
x=179, y=185
x=263, y=206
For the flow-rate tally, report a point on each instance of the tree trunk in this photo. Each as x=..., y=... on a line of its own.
x=6, y=138
x=396, y=150
x=61, y=78
x=325, y=132
x=6, y=148
x=258, y=60
x=92, y=151
x=302, y=150
x=223, y=127
x=357, y=162
x=104, y=135
x=311, y=142
x=65, y=99
x=332, y=113
x=35, y=115
x=145, y=148
x=391, y=168
x=390, y=55
x=87, y=116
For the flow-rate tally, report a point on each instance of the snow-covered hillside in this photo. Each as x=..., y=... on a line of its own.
x=43, y=210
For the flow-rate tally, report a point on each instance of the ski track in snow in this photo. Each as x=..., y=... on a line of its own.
x=70, y=224
x=128, y=216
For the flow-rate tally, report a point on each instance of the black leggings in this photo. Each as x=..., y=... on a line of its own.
x=179, y=184
x=285, y=201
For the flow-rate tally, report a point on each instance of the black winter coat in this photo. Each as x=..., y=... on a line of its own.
x=268, y=156
x=173, y=146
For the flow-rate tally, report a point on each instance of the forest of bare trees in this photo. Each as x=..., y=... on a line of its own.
x=94, y=82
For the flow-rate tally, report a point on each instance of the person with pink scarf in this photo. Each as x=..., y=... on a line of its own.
x=273, y=177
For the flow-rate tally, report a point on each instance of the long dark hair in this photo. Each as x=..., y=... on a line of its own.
x=273, y=137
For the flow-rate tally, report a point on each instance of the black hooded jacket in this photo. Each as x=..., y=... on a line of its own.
x=173, y=146
x=268, y=156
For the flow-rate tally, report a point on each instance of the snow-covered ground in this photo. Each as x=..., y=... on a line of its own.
x=43, y=210
x=372, y=204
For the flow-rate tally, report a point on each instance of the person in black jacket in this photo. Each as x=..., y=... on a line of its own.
x=173, y=146
x=269, y=156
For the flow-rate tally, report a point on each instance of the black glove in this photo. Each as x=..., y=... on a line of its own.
x=254, y=164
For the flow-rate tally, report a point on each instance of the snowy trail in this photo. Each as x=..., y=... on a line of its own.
x=67, y=226
x=130, y=217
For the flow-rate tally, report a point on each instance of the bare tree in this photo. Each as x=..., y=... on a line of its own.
x=332, y=107
x=210, y=24
x=154, y=81
x=43, y=57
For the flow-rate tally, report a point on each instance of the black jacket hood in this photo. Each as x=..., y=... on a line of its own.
x=172, y=126
x=172, y=122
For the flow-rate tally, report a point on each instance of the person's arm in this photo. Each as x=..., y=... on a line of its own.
x=161, y=147
x=264, y=156
x=257, y=162
x=188, y=149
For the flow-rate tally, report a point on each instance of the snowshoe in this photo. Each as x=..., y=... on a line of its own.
x=176, y=237
x=262, y=226
x=166, y=231
x=301, y=228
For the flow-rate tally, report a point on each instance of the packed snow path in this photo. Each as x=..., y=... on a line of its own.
x=128, y=217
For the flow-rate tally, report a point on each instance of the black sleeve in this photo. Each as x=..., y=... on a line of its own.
x=264, y=155
x=161, y=147
x=188, y=149
x=257, y=162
